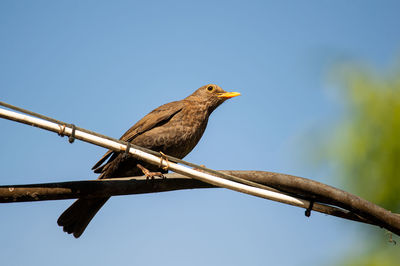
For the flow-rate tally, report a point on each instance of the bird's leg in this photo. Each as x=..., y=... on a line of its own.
x=198, y=169
x=164, y=157
x=149, y=174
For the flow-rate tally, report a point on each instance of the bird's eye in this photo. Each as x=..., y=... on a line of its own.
x=210, y=88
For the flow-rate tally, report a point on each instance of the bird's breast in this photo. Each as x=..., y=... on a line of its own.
x=178, y=136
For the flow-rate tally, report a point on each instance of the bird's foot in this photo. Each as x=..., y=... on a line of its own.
x=163, y=158
x=199, y=169
x=149, y=174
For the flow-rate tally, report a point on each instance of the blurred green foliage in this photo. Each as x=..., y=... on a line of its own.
x=367, y=144
x=379, y=256
x=366, y=149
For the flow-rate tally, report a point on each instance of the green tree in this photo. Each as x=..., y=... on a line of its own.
x=365, y=146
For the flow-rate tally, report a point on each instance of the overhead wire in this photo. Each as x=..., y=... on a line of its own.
x=170, y=158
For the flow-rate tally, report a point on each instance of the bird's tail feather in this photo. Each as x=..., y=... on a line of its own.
x=75, y=219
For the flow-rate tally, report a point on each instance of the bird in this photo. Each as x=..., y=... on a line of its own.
x=174, y=129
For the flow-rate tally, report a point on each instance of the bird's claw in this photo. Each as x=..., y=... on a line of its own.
x=164, y=157
x=198, y=169
x=148, y=174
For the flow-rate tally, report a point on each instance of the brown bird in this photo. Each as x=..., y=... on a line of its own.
x=173, y=128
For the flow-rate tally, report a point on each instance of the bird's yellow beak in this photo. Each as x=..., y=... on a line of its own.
x=228, y=95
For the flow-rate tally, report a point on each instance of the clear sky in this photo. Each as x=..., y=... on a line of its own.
x=104, y=64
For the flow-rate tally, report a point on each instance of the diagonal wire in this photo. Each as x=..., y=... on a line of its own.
x=171, y=158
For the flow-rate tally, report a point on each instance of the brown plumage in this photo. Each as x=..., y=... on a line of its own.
x=173, y=128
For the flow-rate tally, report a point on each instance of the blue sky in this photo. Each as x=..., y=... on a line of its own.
x=103, y=65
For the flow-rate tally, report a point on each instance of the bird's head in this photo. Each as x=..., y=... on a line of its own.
x=211, y=95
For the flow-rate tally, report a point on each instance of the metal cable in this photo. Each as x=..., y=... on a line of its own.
x=171, y=158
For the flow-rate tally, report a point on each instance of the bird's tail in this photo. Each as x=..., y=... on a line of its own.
x=76, y=218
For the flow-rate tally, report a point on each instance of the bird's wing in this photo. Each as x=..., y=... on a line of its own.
x=102, y=159
x=155, y=118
